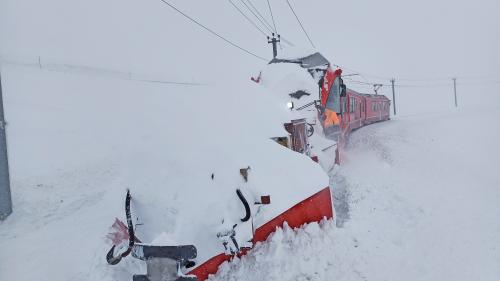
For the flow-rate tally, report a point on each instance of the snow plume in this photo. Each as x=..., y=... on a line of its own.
x=311, y=246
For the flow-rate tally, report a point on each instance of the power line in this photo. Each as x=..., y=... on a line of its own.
x=398, y=85
x=94, y=71
x=213, y=32
x=263, y=20
x=267, y=26
x=274, y=23
x=261, y=16
x=248, y=19
x=421, y=82
x=272, y=17
x=303, y=29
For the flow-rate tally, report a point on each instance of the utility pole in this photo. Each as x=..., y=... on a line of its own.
x=455, y=90
x=376, y=87
x=393, y=96
x=274, y=41
x=5, y=197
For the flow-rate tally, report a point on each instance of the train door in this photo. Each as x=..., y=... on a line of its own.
x=358, y=108
x=298, y=135
x=362, y=106
x=344, y=112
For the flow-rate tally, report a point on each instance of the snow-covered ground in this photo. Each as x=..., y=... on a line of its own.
x=416, y=199
x=423, y=195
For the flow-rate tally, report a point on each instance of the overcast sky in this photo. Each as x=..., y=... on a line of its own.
x=423, y=40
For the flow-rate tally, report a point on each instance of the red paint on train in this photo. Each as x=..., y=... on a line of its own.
x=312, y=209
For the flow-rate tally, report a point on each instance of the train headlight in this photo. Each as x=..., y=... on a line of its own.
x=289, y=105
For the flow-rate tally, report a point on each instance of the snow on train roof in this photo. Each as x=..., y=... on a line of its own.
x=367, y=95
x=308, y=61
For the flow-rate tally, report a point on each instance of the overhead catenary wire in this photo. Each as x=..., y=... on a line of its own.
x=248, y=19
x=274, y=22
x=265, y=22
x=417, y=80
x=213, y=32
x=87, y=70
x=300, y=23
x=424, y=85
x=272, y=17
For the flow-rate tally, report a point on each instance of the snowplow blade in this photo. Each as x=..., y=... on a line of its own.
x=164, y=262
x=178, y=253
x=311, y=209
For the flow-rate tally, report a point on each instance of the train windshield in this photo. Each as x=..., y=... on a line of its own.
x=333, y=102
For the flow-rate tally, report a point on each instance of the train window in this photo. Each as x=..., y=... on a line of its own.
x=333, y=102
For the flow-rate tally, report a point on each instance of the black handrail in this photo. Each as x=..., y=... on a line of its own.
x=245, y=203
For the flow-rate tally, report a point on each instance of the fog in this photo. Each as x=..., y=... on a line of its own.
x=422, y=44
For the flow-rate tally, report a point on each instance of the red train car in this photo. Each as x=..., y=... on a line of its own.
x=363, y=109
x=339, y=110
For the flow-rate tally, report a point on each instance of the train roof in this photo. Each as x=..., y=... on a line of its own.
x=373, y=96
x=310, y=61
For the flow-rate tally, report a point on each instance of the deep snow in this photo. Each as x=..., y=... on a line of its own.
x=420, y=192
x=71, y=165
x=416, y=196
x=72, y=160
x=423, y=195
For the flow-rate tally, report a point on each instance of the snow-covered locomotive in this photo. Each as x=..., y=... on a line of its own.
x=213, y=220
x=333, y=111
